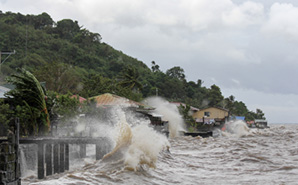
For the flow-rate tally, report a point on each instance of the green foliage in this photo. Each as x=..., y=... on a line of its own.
x=185, y=111
x=155, y=67
x=70, y=58
x=5, y=113
x=176, y=72
x=29, y=93
x=59, y=77
x=215, y=96
x=95, y=84
x=129, y=78
x=64, y=106
x=67, y=29
x=28, y=119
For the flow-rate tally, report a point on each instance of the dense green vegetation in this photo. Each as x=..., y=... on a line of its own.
x=71, y=59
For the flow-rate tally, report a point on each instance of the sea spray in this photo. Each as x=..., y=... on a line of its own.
x=236, y=128
x=170, y=113
x=136, y=145
x=23, y=163
x=146, y=144
x=122, y=137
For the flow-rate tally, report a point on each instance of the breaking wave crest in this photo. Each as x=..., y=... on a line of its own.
x=136, y=146
x=236, y=128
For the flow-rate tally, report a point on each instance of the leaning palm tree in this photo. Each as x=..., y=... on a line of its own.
x=30, y=93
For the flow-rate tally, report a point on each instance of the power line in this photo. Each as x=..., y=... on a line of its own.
x=6, y=53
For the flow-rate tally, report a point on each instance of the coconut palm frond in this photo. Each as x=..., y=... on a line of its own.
x=130, y=78
x=28, y=89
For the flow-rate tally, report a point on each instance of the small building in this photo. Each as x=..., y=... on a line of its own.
x=108, y=99
x=261, y=123
x=211, y=113
x=3, y=90
x=192, y=109
x=242, y=118
x=211, y=116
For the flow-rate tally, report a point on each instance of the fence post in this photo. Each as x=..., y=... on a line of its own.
x=40, y=158
x=82, y=150
x=17, y=151
x=49, y=154
x=62, y=155
x=98, y=154
x=56, y=158
x=66, y=156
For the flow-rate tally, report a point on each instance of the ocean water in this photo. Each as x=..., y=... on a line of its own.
x=237, y=156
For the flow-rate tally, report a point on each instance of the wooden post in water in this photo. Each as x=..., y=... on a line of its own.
x=56, y=158
x=66, y=156
x=82, y=150
x=97, y=152
x=40, y=160
x=62, y=160
x=49, y=154
x=17, y=150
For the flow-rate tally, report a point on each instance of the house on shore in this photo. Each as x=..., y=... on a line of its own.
x=211, y=115
x=258, y=123
x=4, y=89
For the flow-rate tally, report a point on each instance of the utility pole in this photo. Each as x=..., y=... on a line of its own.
x=5, y=53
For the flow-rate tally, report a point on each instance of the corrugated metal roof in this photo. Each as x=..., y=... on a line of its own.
x=111, y=99
x=183, y=104
x=3, y=90
x=216, y=108
x=81, y=99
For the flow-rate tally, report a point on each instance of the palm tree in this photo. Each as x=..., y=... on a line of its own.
x=129, y=78
x=30, y=93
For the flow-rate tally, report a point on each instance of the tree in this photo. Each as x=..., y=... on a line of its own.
x=130, y=78
x=214, y=96
x=185, y=112
x=240, y=109
x=176, y=72
x=67, y=28
x=96, y=84
x=59, y=77
x=155, y=67
x=5, y=114
x=200, y=83
x=43, y=20
x=230, y=104
x=259, y=114
x=65, y=106
x=29, y=93
x=250, y=116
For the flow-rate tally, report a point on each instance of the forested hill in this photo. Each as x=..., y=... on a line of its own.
x=70, y=58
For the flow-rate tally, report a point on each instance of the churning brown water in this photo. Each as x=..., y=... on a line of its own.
x=240, y=156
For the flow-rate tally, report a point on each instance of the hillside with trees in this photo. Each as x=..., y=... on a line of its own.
x=72, y=60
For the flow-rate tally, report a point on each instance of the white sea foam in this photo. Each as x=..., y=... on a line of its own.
x=269, y=157
x=236, y=128
x=146, y=144
x=169, y=112
x=138, y=144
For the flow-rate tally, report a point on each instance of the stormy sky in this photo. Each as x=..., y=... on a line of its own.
x=248, y=48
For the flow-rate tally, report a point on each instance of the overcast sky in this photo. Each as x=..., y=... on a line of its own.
x=248, y=48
